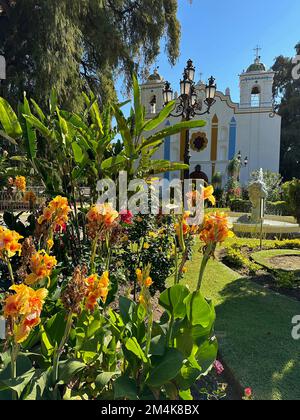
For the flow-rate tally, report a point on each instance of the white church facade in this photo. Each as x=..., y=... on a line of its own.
x=249, y=127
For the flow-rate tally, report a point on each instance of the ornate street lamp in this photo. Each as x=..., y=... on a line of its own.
x=240, y=159
x=242, y=164
x=189, y=105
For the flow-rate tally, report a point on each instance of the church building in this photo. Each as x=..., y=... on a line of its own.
x=249, y=128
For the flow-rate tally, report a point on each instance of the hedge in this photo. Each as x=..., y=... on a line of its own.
x=279, y=208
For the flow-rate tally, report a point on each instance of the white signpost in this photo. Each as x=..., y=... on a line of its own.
x=2, y=68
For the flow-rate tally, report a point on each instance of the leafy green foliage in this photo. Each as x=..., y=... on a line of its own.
x=77, y=36
x=286, y=91
x=273, y=183
x=292, y=197
x=235, y=259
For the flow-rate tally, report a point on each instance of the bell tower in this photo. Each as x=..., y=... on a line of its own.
x=152, y=94
x=256, y=85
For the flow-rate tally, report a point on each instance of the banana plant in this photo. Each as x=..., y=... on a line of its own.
x=68, y=150
x=139, y=144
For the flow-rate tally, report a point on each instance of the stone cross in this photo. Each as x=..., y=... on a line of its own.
x=257, y=51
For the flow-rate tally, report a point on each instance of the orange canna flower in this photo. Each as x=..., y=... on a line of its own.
x=9, y=243
x=20, y=183
x=216, y=229
x=56, y=213
x=103, y=214
x=185, y=226
x=96, y=288
x=24, y=308
x=41, y=266
x=143, y=278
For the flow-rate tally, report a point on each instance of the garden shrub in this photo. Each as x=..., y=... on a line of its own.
x=292, y=196
x=236, y=260
x=288, y=244
x=287, y=280
x=273, y=181
x=278, y=208
x=240, y=206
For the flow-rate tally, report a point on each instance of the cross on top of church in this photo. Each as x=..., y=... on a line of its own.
x=257, y=52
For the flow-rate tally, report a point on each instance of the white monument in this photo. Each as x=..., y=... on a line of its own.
x=249, y=127
x=2, y=68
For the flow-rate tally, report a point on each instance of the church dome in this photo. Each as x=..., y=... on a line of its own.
x=256, y=66
x=155, y=77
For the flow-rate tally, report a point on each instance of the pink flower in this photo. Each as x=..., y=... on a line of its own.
x=248, y=392
x=219, y=367
x=126, y=217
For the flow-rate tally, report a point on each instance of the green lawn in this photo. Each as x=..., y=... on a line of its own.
x=263, y=257
x=254, y=328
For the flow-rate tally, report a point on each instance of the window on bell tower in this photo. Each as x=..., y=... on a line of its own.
x=153, y=105
x=255, y=97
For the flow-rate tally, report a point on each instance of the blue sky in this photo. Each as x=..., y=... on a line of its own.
x=220, y=35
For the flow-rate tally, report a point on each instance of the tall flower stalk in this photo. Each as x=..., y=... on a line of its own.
x=215, y=230
x=145, y=282
x=22, y=310
x=101, y=218
x=61, y=346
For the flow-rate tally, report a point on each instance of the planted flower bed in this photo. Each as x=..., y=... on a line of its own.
x=78, y=278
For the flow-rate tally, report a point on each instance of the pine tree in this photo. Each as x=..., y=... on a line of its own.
x=82, y=44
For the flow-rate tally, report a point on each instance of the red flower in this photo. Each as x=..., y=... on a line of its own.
x=126, y=217
x=248, y=392
x=61, y=228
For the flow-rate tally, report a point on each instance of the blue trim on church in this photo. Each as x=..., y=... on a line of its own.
x=167, y=151
x=232, y=139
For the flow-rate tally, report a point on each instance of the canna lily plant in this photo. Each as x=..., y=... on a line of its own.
x=68, y=336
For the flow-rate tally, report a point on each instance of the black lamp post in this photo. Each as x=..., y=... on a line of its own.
x=242, y=164
x=189, y=105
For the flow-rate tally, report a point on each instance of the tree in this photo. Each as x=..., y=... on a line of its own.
x=81, y=44
x=287, y=92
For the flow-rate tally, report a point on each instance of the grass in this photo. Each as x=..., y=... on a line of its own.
x=254, y=327
x=263, y=257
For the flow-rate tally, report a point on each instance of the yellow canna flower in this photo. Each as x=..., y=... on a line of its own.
x=24, y=308
x=97, y=287
x=216, y=229
x=50, y=244
x=56, y=213
x=209, y=195
x=41, y=266
x=9, y=243
x=146, y=245
x=143, y=278
x=101, y=217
